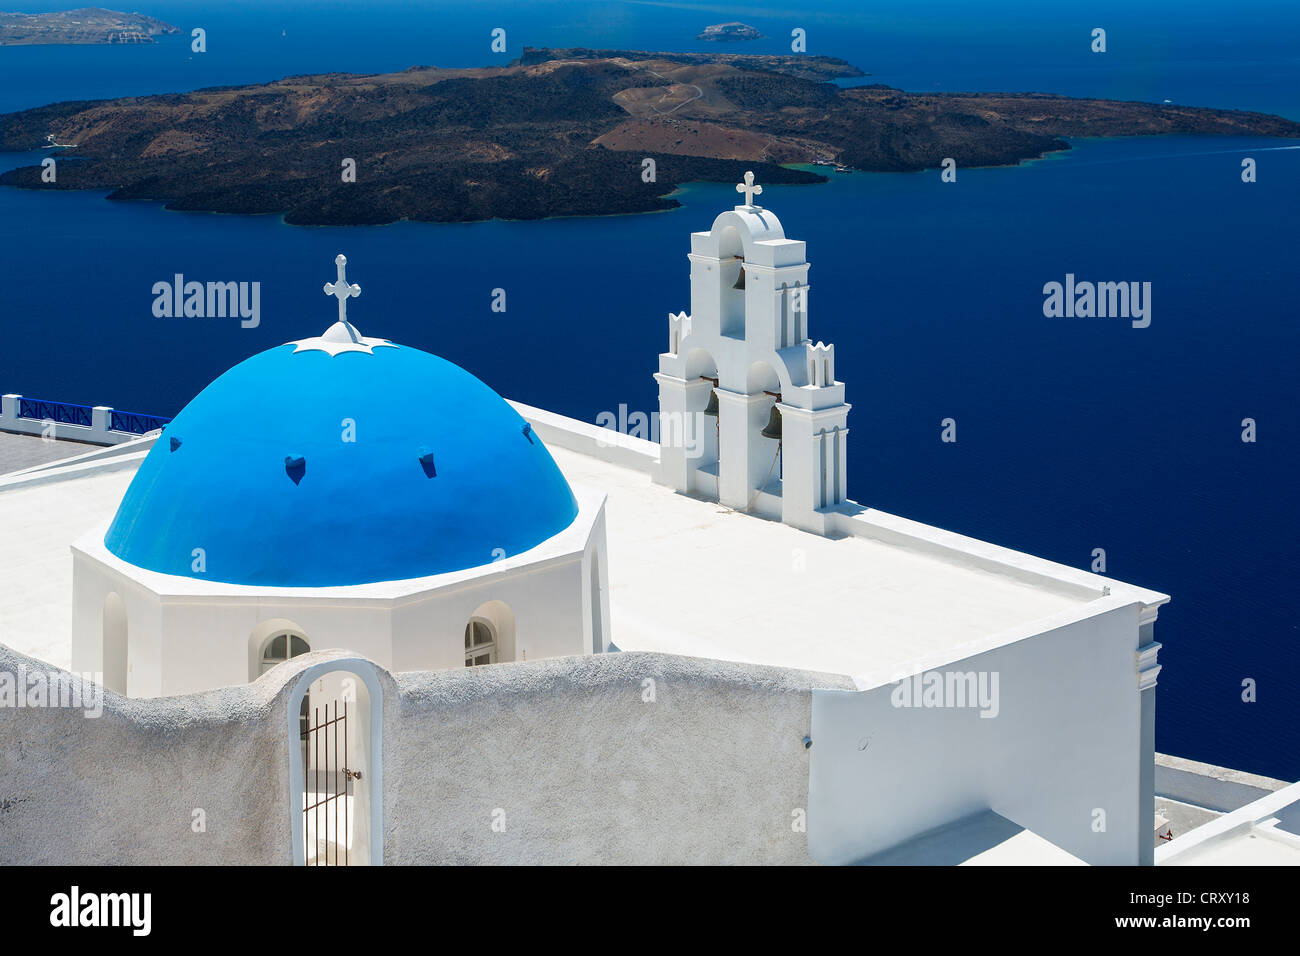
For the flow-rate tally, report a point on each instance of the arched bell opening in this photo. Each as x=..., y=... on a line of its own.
x=764, y=437
x=731, y=283
x=698, y=432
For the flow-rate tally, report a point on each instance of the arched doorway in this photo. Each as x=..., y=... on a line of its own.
x=115, y=644
x=336, y=779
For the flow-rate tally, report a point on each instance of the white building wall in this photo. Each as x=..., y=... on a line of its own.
x=595, y=593
x=1061, y=758
x=209, y=645
x=185, y=646
x=540, y=618
x=89, y=589
x=92, y=583
x=557, y=626
x=187, y=635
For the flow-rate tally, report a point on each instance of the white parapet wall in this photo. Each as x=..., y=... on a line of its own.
x=97, y=427
x=605, y=444
x=1220, y=789
x=1261, y=833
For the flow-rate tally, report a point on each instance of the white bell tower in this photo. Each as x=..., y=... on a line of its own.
x=741, y=352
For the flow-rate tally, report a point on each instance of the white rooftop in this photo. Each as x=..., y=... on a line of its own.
x=678, y=566
x=890, y=598
x=40, y=522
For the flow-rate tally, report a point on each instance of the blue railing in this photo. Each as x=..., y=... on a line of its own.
x=135, y=423
x=61, y=412
x=66, y=413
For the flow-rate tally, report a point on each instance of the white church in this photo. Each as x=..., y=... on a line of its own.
x=555, y=642
x=387, y=502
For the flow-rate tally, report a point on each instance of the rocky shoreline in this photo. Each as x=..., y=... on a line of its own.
x=557, y=133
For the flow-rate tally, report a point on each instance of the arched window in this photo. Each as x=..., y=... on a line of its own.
x=280, y=647
x=480, y=643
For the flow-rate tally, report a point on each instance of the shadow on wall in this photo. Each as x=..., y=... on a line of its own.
x=613, y=758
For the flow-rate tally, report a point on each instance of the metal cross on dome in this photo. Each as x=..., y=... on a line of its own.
x=341, y=289
x=749, y=188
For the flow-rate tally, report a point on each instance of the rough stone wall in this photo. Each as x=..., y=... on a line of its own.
x=122, y=788
x=582, y=768
x=568, y=757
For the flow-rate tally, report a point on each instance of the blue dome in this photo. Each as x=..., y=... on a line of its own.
x=442, y=475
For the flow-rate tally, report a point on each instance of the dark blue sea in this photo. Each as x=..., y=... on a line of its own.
x=1073, y=434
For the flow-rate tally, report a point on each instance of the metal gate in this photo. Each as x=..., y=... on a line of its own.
x=327, y=788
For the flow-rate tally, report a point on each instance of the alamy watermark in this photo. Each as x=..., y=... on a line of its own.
x=49, y=689
x=179, y=299
x=128, y=910
x=670, y=429
x=949, y=689
x=1102, y=300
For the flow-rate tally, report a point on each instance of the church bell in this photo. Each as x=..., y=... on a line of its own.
x=773, y=427
x=740, y=279
x=711, y=409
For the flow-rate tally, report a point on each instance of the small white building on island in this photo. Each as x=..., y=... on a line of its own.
x=699, y=649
